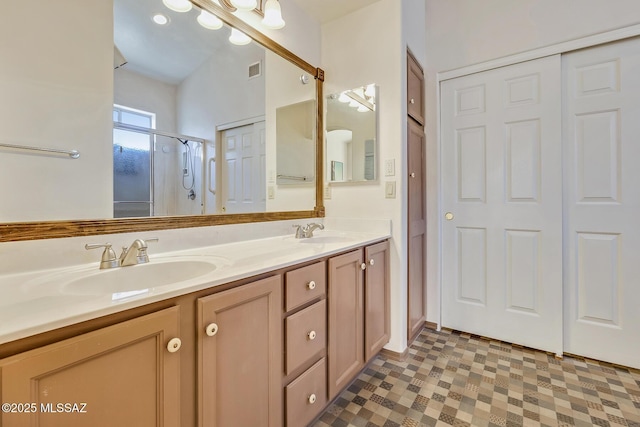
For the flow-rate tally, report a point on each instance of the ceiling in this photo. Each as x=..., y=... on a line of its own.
x=328, y=10
x=170, y=53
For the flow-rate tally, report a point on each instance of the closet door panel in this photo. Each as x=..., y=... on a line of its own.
x=502, y=204
x=602, y=201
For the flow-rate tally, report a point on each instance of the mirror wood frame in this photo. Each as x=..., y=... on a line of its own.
x=21, y=231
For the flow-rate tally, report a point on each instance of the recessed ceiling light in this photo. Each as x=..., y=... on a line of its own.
x=160, y=19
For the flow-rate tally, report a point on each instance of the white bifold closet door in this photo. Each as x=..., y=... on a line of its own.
x=502, y=204
x=602, y=202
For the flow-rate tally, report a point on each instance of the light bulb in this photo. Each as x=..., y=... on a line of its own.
x=178, y=5
x=209, y=20
x=273, y=15
x=244, y=4
x=239, y=38
x=362, y=109
x=344, y=97
x=353, y=103
x=370, y=91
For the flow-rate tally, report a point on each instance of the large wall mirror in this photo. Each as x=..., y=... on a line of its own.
x=351, y=141
x=176, y=123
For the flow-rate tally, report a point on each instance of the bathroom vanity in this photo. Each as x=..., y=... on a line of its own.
x=268, y=338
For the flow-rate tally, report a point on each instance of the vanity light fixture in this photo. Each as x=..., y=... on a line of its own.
x=362, y=109
x=370, y=91
x=273, y=15
x=344, y=97
x=178, y=5
x=244, y=4
x=160, y=19
x=239, y=38
x=354, y=104
x=209, y=20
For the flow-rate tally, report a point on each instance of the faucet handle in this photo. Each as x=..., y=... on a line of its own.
x=109, y=259
x=299, y=231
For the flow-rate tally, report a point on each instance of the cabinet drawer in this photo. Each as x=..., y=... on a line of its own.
x=307, y=395
x=304, y=284
x=306, y=335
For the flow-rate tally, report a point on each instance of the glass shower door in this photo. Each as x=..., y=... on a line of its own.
x=132, y=173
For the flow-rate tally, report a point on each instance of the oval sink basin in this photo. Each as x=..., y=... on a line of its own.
x=137, y=279
x=325, y=239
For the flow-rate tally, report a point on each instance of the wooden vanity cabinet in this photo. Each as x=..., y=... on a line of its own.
x=126, y=374
x=377, y=298
x=358, y=312
x=415, y=89
x=270, y=351
x=239, y=356
x=305, y=348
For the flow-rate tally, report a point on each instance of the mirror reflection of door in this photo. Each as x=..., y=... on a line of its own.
x=339, y=154
x=243, y=186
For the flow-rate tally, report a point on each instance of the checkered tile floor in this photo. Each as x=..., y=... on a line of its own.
x=453, y=378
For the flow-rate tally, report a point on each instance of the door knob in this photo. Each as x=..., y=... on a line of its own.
x=448, y=216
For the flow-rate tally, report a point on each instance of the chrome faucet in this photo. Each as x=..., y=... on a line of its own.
x=109, y=259
x=306, y=231
x=136, y=253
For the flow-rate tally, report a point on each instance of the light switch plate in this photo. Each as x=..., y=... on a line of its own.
x=271, y=192
x=327, y=192
x=390, y=189
x=390, y=167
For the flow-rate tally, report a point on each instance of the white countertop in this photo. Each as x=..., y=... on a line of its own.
x=37, y=301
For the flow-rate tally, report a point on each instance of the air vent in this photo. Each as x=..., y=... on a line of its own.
x=255, y=70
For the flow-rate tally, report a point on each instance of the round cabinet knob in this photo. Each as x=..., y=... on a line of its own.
x=174, y=345
x=448, y=216
x=311, y=285
x=312, y=335
x=412, y=174
x=371, y=261
x=413, y=101
x=211, y=329
x=312, y=399
x=363, y=266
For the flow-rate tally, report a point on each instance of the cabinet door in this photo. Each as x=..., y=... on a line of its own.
x=415, y=89
x=240, y=356
x=376, y=299
x=346, y=355
x=122, y=375
x=417, y=230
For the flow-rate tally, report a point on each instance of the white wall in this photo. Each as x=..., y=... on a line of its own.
x=361, y=48
x=284, y=89
x=465, y=32
x=56, y=82
x=134, y=90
